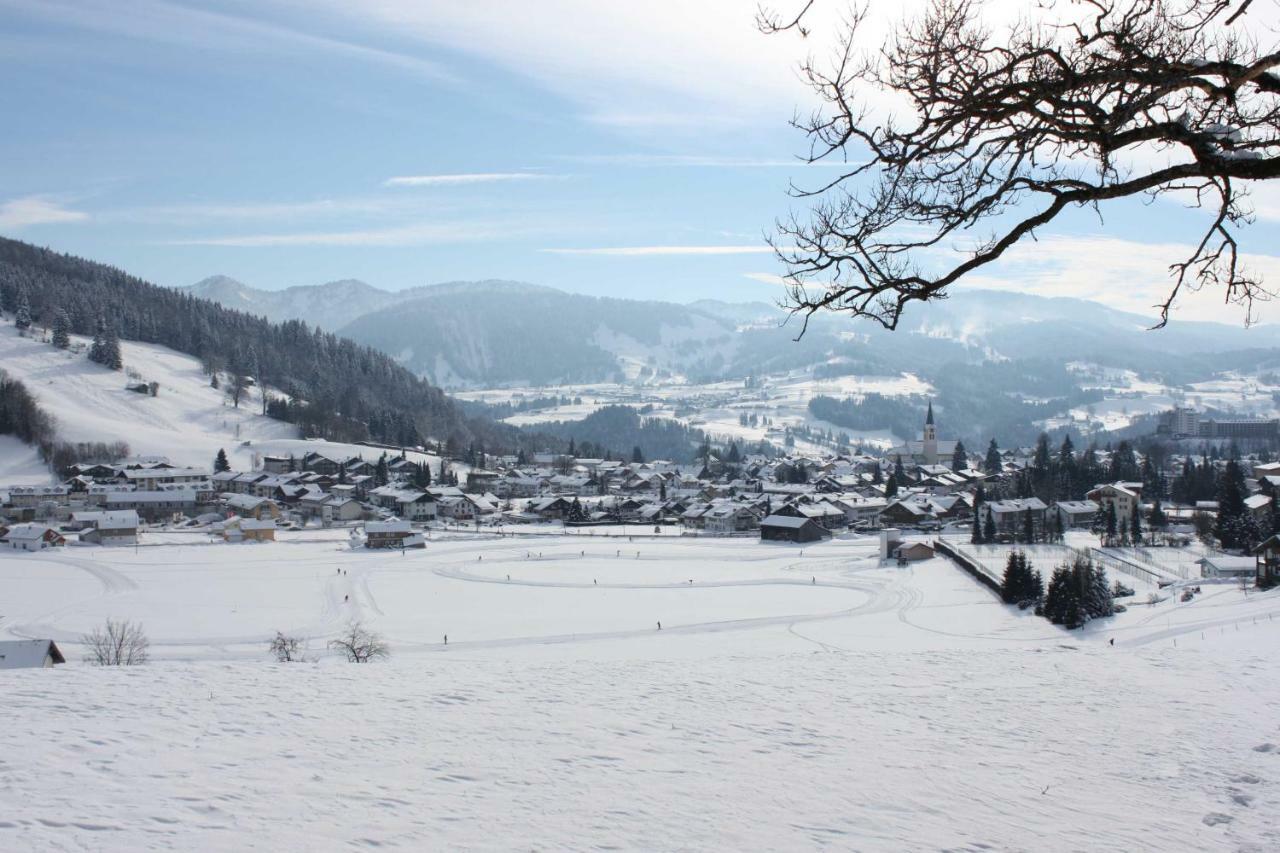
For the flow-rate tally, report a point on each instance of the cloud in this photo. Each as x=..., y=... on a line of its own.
x=176, y=24
x=766, y=278
x=171, y=214
x=703, y=161
x=1125, y=274
x=456, y=180
x=641, y=251
x=419, y=234
x=36, y=210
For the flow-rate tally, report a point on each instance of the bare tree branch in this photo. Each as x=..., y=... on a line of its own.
x=1005, y=131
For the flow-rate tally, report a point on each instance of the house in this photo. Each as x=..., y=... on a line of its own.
x=727, y=519
x=248, y=506
x=249, y=530
x=906, y=513
x=1228, y=566
x=1010, y=517
x=416, y=506
x=154, y=506
x=339, y=508
x=912, y=552
x=109, y=527
x=550, y=508
x=29, y=654
x=1125, y=497
x=789, y=528
x=1075, y=515
x=1267, y=562
x=1259, y=506
x=30, y=537
x=392, y=534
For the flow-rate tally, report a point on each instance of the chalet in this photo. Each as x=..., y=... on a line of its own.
x=416, y=506
x=29, y=654
x=154, y=506
x=1075, y=515
x=109, y=527
x=278, y=464
x=822, y=512
x=1010, y=517
x=907, y=512
x=480, y=480
x=249, y=530
x=30, y=537
x=789, y=528
x=247, y=506
x=728, y=519
x=392, y=534
x=1267, y=562
x=551, y=508
x=339, y=508
x=1125, y=497
x=150, y=479
x=1259, y=506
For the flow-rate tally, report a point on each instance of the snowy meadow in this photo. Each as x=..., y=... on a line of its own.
x=794, y=698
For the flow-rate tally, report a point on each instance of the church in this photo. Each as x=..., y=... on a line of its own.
x=928, y=449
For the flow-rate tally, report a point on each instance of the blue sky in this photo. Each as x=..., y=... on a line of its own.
x=639, y=152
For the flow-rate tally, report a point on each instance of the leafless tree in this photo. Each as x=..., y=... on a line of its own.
x=116, y=644
x=360, y=645
x=286, y=649
x=1008, y=127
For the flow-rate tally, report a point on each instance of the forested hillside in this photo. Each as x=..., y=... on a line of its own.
x=335, y=388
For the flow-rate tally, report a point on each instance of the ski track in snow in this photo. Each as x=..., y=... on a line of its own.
x=797, y=699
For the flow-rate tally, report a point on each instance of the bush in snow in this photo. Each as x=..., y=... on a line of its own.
x=360, y=645
x=116, y=644
x=286, y=649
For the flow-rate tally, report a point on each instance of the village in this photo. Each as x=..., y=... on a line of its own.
x=922, y=491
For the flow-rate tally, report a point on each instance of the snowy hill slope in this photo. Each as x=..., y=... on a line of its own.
x=187, y=422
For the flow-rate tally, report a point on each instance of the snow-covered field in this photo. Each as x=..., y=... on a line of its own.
x=795, y=698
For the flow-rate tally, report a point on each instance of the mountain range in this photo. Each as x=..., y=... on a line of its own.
x=492, y=333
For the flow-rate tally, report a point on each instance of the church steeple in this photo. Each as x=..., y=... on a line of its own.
x=928, y=419
x=930, y=433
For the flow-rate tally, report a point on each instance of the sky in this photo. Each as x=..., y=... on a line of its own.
x=609, y=148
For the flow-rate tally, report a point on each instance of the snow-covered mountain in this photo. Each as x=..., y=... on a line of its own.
x=485, y=333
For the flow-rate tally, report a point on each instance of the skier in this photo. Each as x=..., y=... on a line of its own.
x=815, y=580
x=446, y=639
x=1113, y=641
x=659, y=625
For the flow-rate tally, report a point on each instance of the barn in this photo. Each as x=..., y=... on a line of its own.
x=788, y=528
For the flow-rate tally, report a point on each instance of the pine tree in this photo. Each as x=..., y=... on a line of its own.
x=989, y=528
x=381, y=476
x=114, y=359
x=637, y=456
x=1135, y=524
x=1028, y=527
x=891, y=487
x=959, y=459
x=976, y=535
x=1062, y=599
x=62, y=329
x=1013, y=582
x=899, y=474
x=1111, y=529
x=1230, y=505
x=993, y=463
x=22, y=318
x=220, y=462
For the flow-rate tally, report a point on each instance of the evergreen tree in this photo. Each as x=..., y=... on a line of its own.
x=1013, y=583
x=22, y=318
x=1028, y=527
x=1095, y=595
x=976, y=535
x=899, y=475
x=891, y=488
x=1062, y=598
x=1111, y=528
x=637, y=456
x=220, y=462
x=114, y=359
x=989, y=528
x=1135, y=524
x=993, y=462
x=1231, y=507
x=381, y=475
x=1157, y=520
x=959, y=459
x=62, y=329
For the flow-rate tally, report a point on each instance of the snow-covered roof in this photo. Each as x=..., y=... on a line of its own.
x=19, y=654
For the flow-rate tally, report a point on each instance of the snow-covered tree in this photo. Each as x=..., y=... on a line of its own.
x=62, y=329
